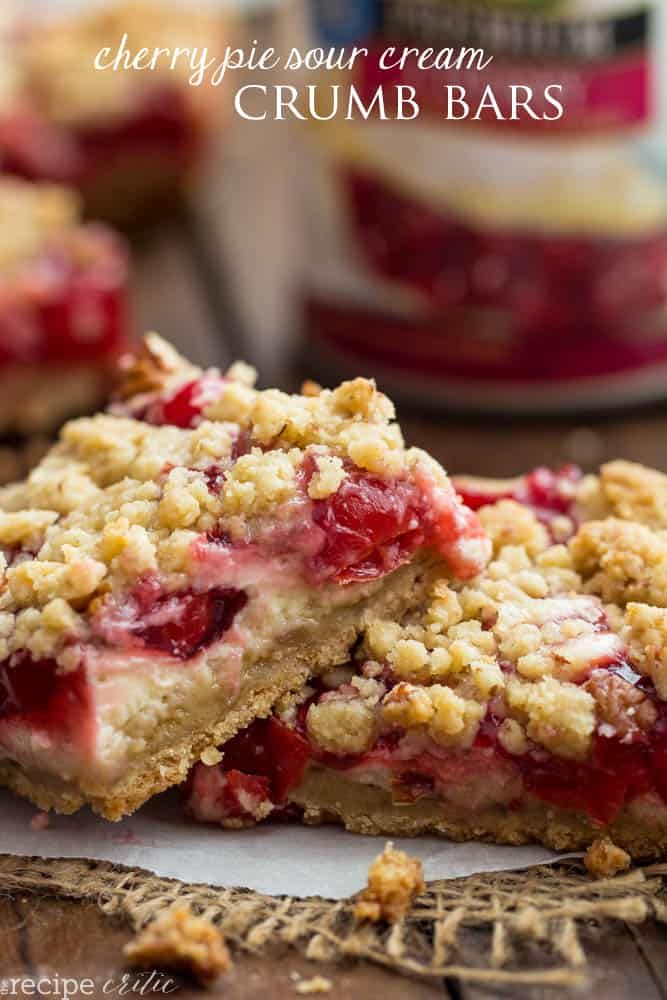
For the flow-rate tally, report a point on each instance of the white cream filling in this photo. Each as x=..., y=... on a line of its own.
x=134, y=693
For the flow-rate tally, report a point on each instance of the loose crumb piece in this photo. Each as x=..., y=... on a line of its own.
x=318, y=984
x=310, y=388
x=40, y=821
x=394, y=881
x=180, y=940
x=604, y=859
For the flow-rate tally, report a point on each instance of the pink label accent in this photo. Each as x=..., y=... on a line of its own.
x=612, y=94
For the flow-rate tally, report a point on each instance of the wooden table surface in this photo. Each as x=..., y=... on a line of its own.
x=215, y=283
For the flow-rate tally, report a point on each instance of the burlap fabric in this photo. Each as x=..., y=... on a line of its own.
x=548, y=905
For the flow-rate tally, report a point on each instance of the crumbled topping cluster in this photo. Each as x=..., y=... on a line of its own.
x=119, y=498
x=56, y=60
x=394, y=882
x=32, y=216
x=528, y=640
x=628, y=491
x=178, y=939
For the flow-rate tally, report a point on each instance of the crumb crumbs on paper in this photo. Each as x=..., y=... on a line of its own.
x=178, y=939
x=394, y=881
x=40, y=821
x=318, y=984
x=604, y=859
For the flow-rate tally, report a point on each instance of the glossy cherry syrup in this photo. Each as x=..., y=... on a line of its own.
x=184, y=623
x=370, y=527
x=547, y=492
x=183, y=408
x=38, y=693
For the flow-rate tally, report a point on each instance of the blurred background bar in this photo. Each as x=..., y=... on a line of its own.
x=245, y=264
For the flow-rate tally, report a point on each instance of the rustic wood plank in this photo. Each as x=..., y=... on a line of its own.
x=616, y=969
x=255, y=977
x=71, y=938
x=12, y=938
x=651, y=939
x=74, y=939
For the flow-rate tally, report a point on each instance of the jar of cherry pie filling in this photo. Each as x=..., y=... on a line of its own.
x=506, y=248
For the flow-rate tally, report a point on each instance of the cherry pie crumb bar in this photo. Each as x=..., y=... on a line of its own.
x=129, y=141
x=526, y=704
x=174, y=566
x=63, y=316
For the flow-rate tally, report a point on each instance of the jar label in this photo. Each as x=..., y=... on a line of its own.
x=471, y=253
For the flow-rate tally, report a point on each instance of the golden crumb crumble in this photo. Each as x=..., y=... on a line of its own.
x=622, y=708
x=31, y=217
x=354, y=419
x=520, y=633
x=604, y=859
x=119, y=498
x=177, y=939
x=57, y=59
x=318, y=984
x=328, y=476
x=341, y=727
x=622, y=561
x=526, y=636
x=510, y=523
x=634, y=493
x=394, y=881
x=645, y=633
x=558, y=715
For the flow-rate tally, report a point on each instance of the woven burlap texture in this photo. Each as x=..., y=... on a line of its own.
x=547, y=905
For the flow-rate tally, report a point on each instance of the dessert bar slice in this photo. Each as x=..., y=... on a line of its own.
x=63, y=321
x=128, y=140
x=527, y=704
x=174, y=566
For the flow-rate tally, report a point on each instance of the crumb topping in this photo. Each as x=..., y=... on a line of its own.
x=530, y=640
x=645, y=633
x=628, y=491
x=622, y=561
x=120, y=499
x=604, y=859
x=519, y=637
x=530, y=631
x=56, y=60
x=33, y=216
x=318, y=984
x=394, y=881
x=177, y=939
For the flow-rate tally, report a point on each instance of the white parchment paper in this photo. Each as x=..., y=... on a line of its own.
x=272, y=858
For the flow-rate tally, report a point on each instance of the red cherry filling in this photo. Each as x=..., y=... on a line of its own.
x=370, y=527
x=38, y=693
x=261, y=765
x=68, y=304
x=618, y=769
x=182, y=624
x=162, y=124
x=548, y=493
x=184, y=407
x=271, y=750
